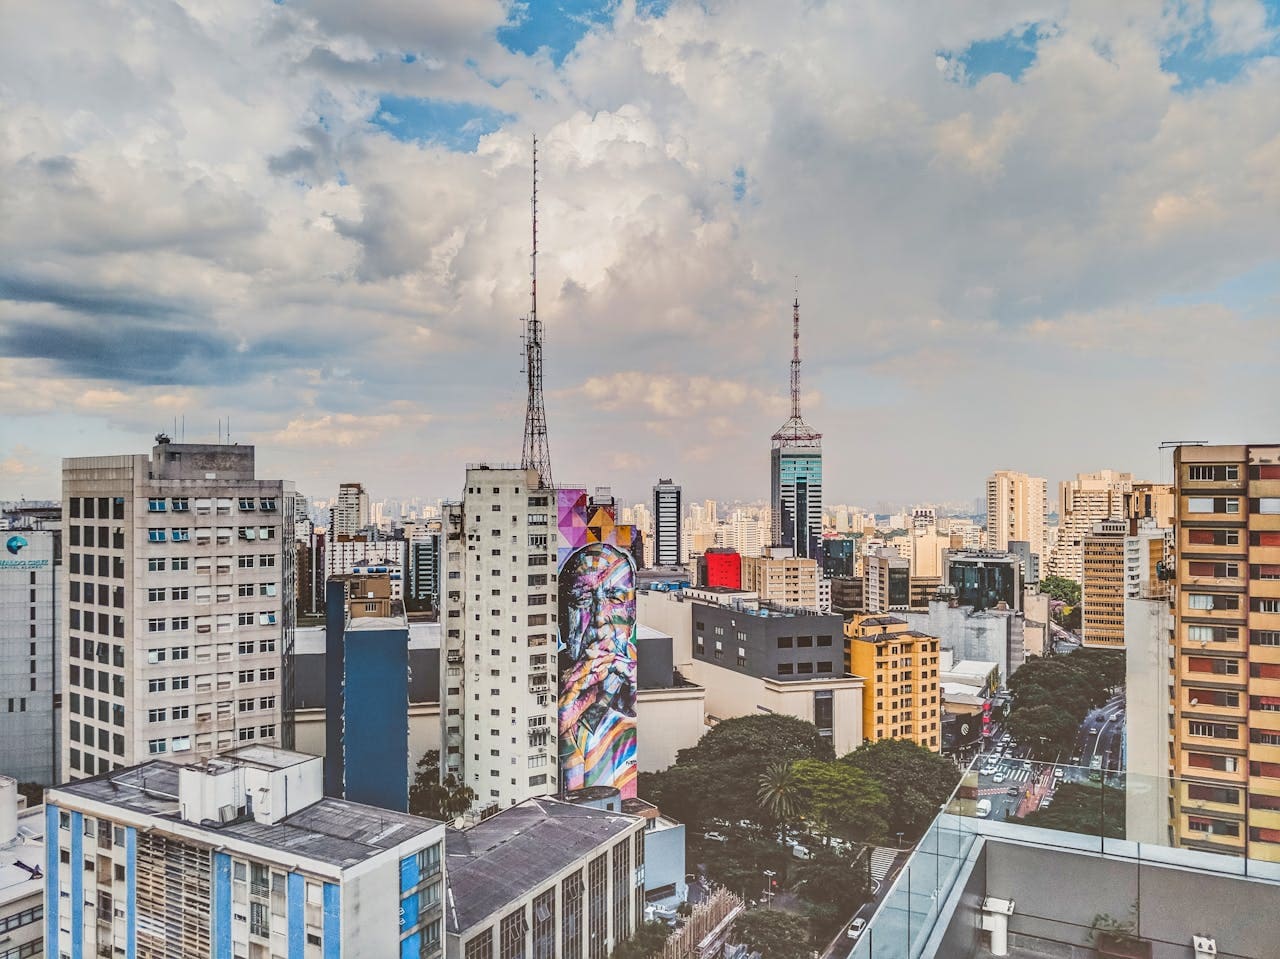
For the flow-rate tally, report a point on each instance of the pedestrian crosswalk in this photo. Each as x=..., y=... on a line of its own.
x=881, y=862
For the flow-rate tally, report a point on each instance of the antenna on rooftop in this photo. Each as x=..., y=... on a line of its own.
x=537, y=450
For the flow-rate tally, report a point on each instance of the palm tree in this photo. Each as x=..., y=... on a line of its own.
x=779, y=794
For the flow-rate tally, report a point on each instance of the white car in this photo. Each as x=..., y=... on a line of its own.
x=715, y=837
x=856, y=927
x=1057, y=773
x=800, y=852
x=998, y=778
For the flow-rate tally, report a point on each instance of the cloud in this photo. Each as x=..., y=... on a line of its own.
x=262, y=211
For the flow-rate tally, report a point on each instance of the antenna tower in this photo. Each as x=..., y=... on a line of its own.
x=795, y=431
x=537, y=450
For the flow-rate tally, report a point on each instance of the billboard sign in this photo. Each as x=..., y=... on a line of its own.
x=596, y=646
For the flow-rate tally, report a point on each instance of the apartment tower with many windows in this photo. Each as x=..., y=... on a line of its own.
x=499, y=602
x=667, y=546
x=1017, y=509
x=177, y=620
x=1226, y=749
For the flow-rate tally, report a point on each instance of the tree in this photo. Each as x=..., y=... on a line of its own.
x=773, y=933
x=719, y=777
x=1046, y=730
x=918, y=780
x=841, y=800
x=779, y=793
x=1062, y=589
x=1088, y=809
x=435, y=798
x=740, y=865
x=645, y=944
x=1105, y=666
x=835, y=884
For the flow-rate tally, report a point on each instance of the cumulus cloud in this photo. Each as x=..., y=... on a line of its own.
x=217, y=211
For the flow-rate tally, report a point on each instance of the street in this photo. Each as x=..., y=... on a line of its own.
x=1102, y=735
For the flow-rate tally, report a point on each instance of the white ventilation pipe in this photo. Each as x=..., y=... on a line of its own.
x=995, y=920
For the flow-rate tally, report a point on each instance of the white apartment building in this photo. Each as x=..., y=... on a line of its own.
x=1145, y=549
x=1017, y=508
x=781, y=577
x=22, y=858
x=669, y=548
x=351, y=513
x=1083, y=501
x=499, y=610
x=239, y=857
x=177, y=620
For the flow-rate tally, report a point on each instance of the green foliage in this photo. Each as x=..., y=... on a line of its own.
x=841, y=800
x=773, y=933
x=779, y=793
x=1045, y=730
x=1051, y=697
x=436, y=799
x=917, y=779
x=1087, y=809
x=1062, y=589
x=1107, y=665
x=720, y=776
x=835, y=885
x=740, y=865
x=645, y=944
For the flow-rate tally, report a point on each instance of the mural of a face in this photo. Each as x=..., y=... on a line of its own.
x=598, y=669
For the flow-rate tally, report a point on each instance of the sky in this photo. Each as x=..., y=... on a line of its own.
x=1027, y=234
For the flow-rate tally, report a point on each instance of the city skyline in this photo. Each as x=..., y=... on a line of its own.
x=1013, y=228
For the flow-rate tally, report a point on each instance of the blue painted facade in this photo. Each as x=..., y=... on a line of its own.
x=367, y=709
x=77, y=885
x=131, y=889
x=221, y=905
x=51, y=864
x=332, y=921
x=297, y=892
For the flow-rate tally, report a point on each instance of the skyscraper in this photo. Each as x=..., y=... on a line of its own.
x=795, y=469
x=1082, y=502
x=352, y=512
x=666, y=523
x=177, y=623
x=1017, y=508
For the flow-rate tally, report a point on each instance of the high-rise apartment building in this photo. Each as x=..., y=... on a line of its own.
x=424, y=568
x=499, y=614
x=1147, y=548
x=668, y=548
x=1102, y=589
x=177, y=621
x=1017, y=508
x=1227, y=650
x=30, y=606
x=781, y=578
x=886, y=581
x=240, y=855
x=1082, y=502
x=351, y=513
x=900, y=699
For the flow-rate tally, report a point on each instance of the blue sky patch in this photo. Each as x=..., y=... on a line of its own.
x=1009, y=54
x=557, y=25
x=739, y=183
x=457, y=126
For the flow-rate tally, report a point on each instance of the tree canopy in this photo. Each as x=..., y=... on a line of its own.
x=841, y=800
x=916, y=780
x=436, y=799
x=1083, y=808
x=1062, y=589
x=773, y=933
x=720, y=776
x=645, y=944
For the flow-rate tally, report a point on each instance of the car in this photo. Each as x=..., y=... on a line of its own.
x=988, y=770
x=1093, y=730
x=1057, y=773
x=998, y=778
x=1026, y=765
x=1044, y=803
x=983, y=809
x=748, y=824
x=800, y=852
x=715, y=837
x=1011, y=791
x=856, y=927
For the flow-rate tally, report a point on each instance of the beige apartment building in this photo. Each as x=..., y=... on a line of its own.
x=1102, y=588
x=782, y=578
x=1226, y=749
x=1017, y=509
x=1082, y=502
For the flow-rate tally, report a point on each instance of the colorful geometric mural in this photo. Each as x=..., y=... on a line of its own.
x=597, y=646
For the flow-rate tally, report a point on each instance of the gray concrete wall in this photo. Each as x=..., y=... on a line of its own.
x=761, y=642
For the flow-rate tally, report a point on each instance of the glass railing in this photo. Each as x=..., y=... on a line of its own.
x=1201, y=825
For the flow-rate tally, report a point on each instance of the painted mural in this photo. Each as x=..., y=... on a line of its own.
x=597, y=646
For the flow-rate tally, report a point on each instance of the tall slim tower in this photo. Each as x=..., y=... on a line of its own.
x=796, y=468
x=667, y=516
x=537, y=451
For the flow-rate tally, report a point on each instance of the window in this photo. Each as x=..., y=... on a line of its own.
x=245, y=589
x=1213, y=634
x=1212, y=601
x=181, y=712
x=1213, y=730
x=247, y=503
x=267, y=702
x=267, y=619
x=1213, y=537
x=1213, y=504
x=1269, y=505
x=245, y=732
x=267, y=675
x=244, y=619
x=153, y=536
x=244, y=562
x=155, y=564
x=181, y=535
x=155, y=625
x=180, y=652
x=181, y=682
x=785, y=669
x=267, y=503
x=180, y=743
x=155, y=656
x=246, y=676
x=156, y=746
x=1217, y=570
x=180, y=623
x=155, y=685
x=267, y=646
x=156, y=505
x=156, y=715
x=267, y=559
x=1264, y=637
x=181, y=563
x=181, y=504
x=1263, y=605
x=1214, y=827
x=1221, y=667
x=1213, y=474
x=784, y=642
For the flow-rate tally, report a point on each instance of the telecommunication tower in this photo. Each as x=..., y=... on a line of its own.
x=537, y=450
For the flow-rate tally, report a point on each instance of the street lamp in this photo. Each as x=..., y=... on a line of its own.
x=899, y=835
x=768, y=887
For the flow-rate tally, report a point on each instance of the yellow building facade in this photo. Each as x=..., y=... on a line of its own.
x=900, y=698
